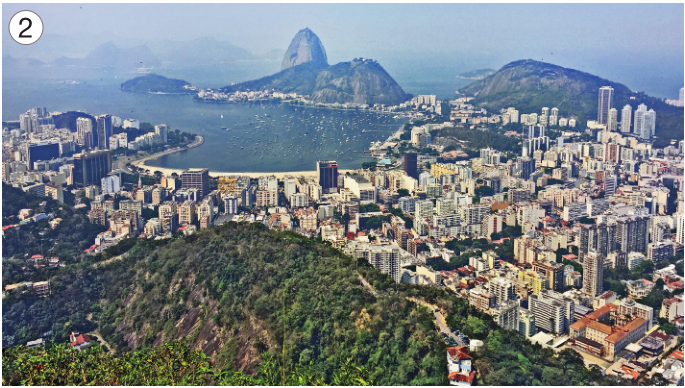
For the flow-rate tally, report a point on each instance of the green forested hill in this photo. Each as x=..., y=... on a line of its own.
x=529, y=85
x=232, y=291
x=153, y=83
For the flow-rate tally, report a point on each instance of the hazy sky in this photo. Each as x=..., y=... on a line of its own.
x=495, y=27
x=647, y=37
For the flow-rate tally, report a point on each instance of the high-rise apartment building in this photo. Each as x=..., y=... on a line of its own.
x=593, y=274
x=600, y=238
x=553, y=311
x=502, y=289
x=632, y=233
x=383, y=257
x=84, y=131
x=604, y=103
x=527, y=167
x=644, y=124
x=410, y=165
x=612, y=120
x=231, y=204
x=187, y=212
x=196, y=178
x=163, y=131
x=626, y=117
x=91, y=167
x=554, y=272
x=328, y=175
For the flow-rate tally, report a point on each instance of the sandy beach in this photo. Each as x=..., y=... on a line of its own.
x=215, y=174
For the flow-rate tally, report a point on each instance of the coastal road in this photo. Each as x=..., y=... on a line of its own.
x=141, y=162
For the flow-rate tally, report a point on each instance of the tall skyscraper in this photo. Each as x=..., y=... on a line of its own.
x=91, y=167
x=328, y=175
x=593, y=274
x=626, y=117
x=196, y=178
x=612, y=120
x=605, y=100
x=84, y=131
x=410, y=165
x=104, y=130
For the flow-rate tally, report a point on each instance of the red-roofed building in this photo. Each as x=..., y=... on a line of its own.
x=612, y=339
x=677, y=354
x=35, y=259
x=459, y=366
x=79, y=341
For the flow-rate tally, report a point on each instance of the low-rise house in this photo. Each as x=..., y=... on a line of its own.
x=79, y=341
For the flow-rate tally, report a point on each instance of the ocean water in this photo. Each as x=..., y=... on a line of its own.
x=251, y=137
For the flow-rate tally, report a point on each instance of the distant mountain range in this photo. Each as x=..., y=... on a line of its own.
x=530, y=85
x=306, y=71
x=200, y=52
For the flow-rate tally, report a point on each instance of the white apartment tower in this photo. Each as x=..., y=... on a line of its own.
x=163, y=131
x=84, y=131
x=626, y=116
x=612, y=120
x=606, y=95
x=644, y=124
x=593, y=274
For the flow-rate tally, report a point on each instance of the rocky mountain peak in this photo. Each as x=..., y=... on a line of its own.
x=305, y=47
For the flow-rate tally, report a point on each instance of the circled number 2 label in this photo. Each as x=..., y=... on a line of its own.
x=26, y=27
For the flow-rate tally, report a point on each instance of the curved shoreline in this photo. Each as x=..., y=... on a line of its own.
x=214, y=174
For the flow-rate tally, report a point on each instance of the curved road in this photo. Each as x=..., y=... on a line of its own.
x=141, y=162
x=439, y=318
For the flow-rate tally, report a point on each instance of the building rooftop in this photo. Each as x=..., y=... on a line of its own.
x=460, y=352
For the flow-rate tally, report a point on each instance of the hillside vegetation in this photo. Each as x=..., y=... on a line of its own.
x=170, y=364
x=530, y=85
x=234, y=292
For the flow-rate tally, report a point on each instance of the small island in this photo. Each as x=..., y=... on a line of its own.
x=476, y=74
x=157, y=84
